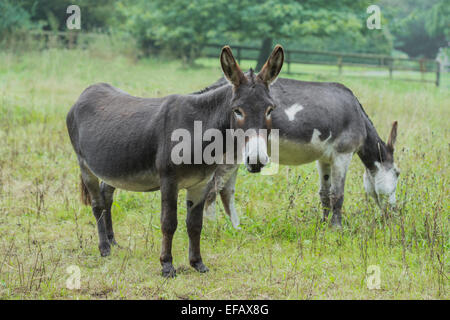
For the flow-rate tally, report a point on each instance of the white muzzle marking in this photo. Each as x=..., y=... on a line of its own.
x=256, y=149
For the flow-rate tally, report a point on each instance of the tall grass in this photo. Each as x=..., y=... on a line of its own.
x=282, y=252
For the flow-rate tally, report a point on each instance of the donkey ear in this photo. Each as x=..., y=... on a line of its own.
x=231, y=68
x=392, y=136
x=272, y=67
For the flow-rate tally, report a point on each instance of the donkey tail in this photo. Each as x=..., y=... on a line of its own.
x=85, y=196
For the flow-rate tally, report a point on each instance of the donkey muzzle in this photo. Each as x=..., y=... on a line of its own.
x=255, y=156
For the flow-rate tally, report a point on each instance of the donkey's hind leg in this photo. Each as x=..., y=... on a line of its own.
x=324, y=169
x=224, y=177
x=90, y=182
x=339, y=169
x=227, y=196
x=209, y=209
x=107, y=192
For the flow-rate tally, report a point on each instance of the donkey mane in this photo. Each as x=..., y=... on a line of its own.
x=215, y=85
x=363, y=111
x=222, y=81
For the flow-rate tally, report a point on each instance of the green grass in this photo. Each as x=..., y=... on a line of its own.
x=282, y=251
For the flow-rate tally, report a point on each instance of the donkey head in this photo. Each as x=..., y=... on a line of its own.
x=381, y=182
x=251, y=104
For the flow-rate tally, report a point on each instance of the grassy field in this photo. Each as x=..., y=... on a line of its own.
x=282, y=251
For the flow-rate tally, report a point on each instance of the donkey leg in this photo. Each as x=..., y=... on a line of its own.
x=107, y=192
x=210, y=200
x=169, y=222
x=195, y=200
x=98, y=209
x=227, y=196
x=223, y=174
x=325, y=184
x=339, y=169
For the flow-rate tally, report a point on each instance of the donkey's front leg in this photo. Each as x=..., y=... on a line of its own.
x=339, y=169
x=325, y=184
x=169, y=195
x=195, y=200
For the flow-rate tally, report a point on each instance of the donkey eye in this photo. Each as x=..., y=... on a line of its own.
x=238, y=113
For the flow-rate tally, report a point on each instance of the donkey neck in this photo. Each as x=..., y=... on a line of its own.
x=212, y=108
x=374, y=149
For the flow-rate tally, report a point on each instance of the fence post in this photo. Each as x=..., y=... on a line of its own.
x=438, y=73
x=422, y=69
x=340, y=64
x=71, y=41
x=391, y=69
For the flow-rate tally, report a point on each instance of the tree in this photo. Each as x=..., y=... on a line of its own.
x=184, y=26
x=291, y=19
x=178, y=25
x=13, y=17
x=52, y=13
x=420, y=28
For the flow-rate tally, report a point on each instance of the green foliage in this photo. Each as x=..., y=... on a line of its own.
x=180, y=28
x=420, y=27
x=183, y=27
x=291, y=19
x=13, y=17
x=52, y=14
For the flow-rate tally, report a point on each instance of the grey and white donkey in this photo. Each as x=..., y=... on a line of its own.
x=126, y=142
x=322, y=122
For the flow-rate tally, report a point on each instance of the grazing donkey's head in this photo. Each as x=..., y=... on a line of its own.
x=251, y=105
x=381, y=182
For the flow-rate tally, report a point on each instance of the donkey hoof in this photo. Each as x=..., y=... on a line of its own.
x=336, y=225
x=113, y=241
x=324, y=218
x=200, y=267
x=168, y=271
x=105, y=249
x=336, y=222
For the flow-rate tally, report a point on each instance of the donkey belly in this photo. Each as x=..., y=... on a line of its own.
x=141, y=181
x=150, y=180
x=298, y=153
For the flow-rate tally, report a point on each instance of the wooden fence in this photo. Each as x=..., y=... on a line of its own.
x=69, y=39
x=340, y=59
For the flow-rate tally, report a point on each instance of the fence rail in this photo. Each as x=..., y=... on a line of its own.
x=338, y=59
x=341, y=59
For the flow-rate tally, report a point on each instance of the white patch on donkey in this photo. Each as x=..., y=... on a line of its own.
x=292, y=111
